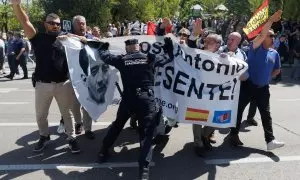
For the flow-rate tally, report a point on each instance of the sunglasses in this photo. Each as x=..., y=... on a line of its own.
x=53, y=23
x=184, y=35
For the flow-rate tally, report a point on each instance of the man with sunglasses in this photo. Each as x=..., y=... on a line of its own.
x=263, y=63
x=51, y=74
x=183, y=35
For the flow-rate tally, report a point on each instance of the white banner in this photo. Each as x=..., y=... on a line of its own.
x=198, y=87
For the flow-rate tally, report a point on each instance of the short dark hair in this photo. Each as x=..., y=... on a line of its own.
x=18, y=34
x=52, y=15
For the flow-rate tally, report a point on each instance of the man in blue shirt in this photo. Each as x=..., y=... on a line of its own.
x=11, y=54
x=20, y=58
x=263, y=63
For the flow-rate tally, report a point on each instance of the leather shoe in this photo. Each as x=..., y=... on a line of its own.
x=251, y=122
x=235, y=140
x=103, y=156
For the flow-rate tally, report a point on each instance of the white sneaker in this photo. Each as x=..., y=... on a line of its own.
x=274, y=144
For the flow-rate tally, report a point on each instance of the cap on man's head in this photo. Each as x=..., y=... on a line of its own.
x=131, y=42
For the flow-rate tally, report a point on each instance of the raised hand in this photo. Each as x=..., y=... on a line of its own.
x=15, y=2
x=276, y=16
x=197, y=29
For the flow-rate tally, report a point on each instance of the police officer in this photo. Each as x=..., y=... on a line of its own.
x=137, y=73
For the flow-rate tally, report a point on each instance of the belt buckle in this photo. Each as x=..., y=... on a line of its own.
x=138, y=91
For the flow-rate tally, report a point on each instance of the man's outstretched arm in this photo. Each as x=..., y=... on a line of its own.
x=22, y=17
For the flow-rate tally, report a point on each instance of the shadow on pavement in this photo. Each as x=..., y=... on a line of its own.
x=184, y=164
x=57, y=152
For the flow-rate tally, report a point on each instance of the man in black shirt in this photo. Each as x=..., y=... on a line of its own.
x=51, y=73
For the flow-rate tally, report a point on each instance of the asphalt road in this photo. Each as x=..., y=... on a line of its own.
x=173, y=158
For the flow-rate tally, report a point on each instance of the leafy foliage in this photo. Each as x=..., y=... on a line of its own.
x=102, y=12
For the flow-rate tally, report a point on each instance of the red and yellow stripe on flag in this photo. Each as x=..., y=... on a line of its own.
x=255, y=25
x=196, y=115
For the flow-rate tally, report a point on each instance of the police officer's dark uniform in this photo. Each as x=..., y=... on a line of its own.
x=137, y=73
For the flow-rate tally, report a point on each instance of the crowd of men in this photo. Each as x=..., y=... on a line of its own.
x=51, y=78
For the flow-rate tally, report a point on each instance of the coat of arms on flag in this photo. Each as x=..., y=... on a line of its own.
x=222, y=117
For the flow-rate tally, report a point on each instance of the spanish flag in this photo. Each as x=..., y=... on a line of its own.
x=196, y=115
x=257, y=21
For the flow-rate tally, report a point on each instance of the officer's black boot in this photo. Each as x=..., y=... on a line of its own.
x=144, y=173
x=103, y=155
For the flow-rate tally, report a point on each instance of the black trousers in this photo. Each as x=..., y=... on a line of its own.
x=261, y=96
x=144, y=106
x=252, y=110
x=12, y=64
x=23, y=63
x=1, y=62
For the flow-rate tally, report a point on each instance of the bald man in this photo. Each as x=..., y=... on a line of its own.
x=234, y=39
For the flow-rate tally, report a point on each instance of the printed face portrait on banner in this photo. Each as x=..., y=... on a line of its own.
x=95, y=77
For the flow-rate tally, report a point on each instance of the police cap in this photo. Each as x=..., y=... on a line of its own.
x=131, y=42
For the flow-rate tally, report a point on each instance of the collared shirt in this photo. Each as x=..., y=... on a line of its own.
x=18, y=45
x=10, y=46
x=262, y=62
x=240, y=54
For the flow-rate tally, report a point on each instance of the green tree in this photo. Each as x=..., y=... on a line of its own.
x=238, y=8
x=5, y=10
x=291, y=9
x=96, y=12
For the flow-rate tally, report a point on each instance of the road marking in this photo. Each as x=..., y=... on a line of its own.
x=253, y=160
x=33, y=124
x=14, y=103
x=17, y=82
x=288, y=100
x=7, y=90
x=20, y=167
x=25, y=90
